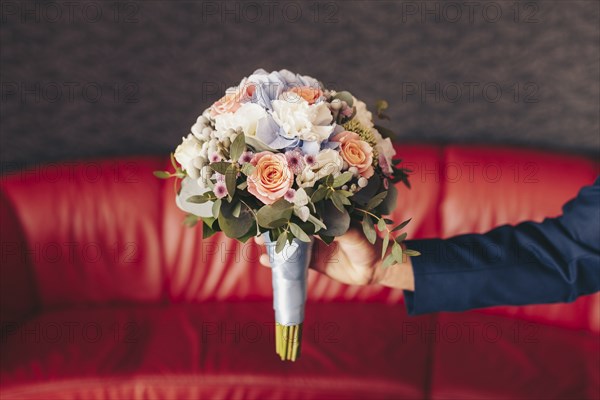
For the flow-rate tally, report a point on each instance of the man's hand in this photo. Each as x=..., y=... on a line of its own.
x=352, y=260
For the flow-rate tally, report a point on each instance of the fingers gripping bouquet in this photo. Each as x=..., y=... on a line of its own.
x=282, y=156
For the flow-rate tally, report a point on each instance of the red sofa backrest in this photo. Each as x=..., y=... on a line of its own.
x=108, y=231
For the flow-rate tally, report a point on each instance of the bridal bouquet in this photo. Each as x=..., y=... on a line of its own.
x=283, y=156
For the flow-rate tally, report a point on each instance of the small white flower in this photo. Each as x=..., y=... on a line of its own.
x=301, y=198
x=327, y=162
x=302, y=212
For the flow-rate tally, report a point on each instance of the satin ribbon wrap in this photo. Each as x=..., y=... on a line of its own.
x=289, y=276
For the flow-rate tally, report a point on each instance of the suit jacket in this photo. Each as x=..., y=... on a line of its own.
x=556, y=260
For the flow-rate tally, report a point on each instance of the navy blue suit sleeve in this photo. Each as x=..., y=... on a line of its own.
x=556, y=260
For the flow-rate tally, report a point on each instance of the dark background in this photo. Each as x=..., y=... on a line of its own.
x=98, y=78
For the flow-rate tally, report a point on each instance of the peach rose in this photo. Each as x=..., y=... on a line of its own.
x=226, y=104
x=310, y=94
x=356, y=152
x=272, y=177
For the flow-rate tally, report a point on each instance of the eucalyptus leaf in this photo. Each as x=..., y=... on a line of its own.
x=327, y=239
x=402, y=225
x=248, y=169
x=397, y=252
x=319, y=194
x=220, y=167
x=278, y=223
x=388, y=261
x=198, y=199
x=237, y=147
x=342, y=179
x=207, y=231
x=316, y=222
x=190, y=220
x=365, y=194
x=216, y=208
x=369, y=229
x=337, y=222
x=280, y=244
x=381, y=225
x=162, y=174
x=242, y=185
x=237, y=207
x=337, y=201
x=231, y=226
x=281, y=209
x=384, y=246
x=376, y=200
x=258, y=146
x=400, y=238
x=412, y=253
x=389, y=202
x=231, y=179
x=299, y=233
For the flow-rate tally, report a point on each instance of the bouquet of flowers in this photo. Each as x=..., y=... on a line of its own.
x=283, y=156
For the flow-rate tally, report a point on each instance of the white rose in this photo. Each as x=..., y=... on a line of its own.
x=298, y=119
x=246, y=117
x=385, y=148
x=327, y=162
x=187, y=152
x=363, y=116
x=302, y=212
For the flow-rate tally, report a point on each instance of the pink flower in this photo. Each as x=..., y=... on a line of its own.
x=220, y=190
x=295, y=160
x=289, y=195
x=356, y=152
x=272, y=177
x=246, y=157
x=310, y=94
x=226, y=104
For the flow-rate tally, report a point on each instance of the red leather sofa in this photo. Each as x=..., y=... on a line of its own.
x=104, y=294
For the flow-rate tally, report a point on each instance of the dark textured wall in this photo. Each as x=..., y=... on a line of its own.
x=157, y=65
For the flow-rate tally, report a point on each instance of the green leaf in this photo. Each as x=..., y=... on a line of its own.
x=231, y=179
x=384, y=246
x=319, y=194
x=237, y=147
x=397, y=252
x=342, y=179
x=278, y=223
x=412, y=253
x=281, y=209
x=280, y=244
x=337, y=222
x=242, y=185
x=389, y=260
x=173, y=161
x=190, y=220
x=231, y=226
x=338, y=201
x=220, y=167
x=207, y=231
x=197, y=199
x=299, y=233
x=381, y=225
x=400, y=238
x=369, y=229
x=316, y=222
x=327, y=239
x=209, y=221
x=248, y=169
x=388, y=221
x=216, y=208
x=389, y=203
x=345, y=193
x=237, y=207
x=329, y=180
x=402, y=225
x=376, y=200
x=162, y=174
